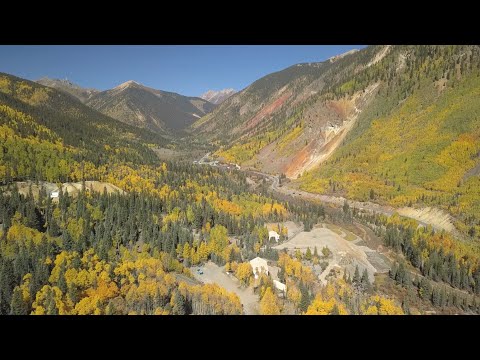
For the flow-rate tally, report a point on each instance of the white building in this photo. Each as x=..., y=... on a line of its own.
x=54, y=194
x=273, y=234
x=257, y=265
x=280, y=286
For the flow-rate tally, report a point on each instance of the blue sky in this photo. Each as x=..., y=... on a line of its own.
x=188, y=70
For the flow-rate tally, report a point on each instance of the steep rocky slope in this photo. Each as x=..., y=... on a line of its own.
x=287, y=122
x=398, y=125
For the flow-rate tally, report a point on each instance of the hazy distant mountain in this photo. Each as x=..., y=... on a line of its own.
x=68, y=87
x=217, y=97
x=157, y=110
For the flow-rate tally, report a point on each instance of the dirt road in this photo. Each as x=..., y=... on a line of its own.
x=212, y=273
x=438, y=219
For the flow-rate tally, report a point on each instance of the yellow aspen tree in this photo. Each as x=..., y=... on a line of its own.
x=186, y=251
x=244, y=272
x=294, y=295
x=203, y=251
x=218, y=239
x=388, y=307
x=179, y=249
x=227, y=254
x=194, y=257
x=371, y=310
x=269, y=304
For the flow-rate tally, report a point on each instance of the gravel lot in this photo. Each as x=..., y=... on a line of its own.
x=345, y=253
x=212, y=273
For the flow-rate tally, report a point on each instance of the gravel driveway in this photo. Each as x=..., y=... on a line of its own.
x=213, y=273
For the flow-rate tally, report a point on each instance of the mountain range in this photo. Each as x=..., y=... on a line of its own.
x=48, y=134
x=388, y=135
x=395, y=124
x=365, y=167
x=138, y=105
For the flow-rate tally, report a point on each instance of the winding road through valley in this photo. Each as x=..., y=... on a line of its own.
x=437, y=218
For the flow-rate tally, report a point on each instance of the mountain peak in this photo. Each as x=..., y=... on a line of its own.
x=48, y=81
x=142, y=106
x=67, y=86
x=340, y=56
x=126, y=84
x=217, y=97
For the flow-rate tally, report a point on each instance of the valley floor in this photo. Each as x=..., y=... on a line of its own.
x=438, y=219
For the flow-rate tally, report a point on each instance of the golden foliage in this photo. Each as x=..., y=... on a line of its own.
x=433, y=142
x=244, y=273
x=293, y=294
x=295, y=269
x=211, y=299
x=132, y=286
x=218, y=240
x=378, y=305
x=269, y=303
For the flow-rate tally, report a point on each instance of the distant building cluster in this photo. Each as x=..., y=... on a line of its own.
x=218, y=164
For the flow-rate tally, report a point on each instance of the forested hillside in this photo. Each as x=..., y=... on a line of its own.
x=114, y=253
x=284, y=122
x=48, y=135
x=396, y=125
x=418, y=141
x=93, y=222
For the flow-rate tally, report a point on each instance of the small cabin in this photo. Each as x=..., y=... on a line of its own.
x=273, y=234
x=54, y=194
x=259, y=265
x=280, y=286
